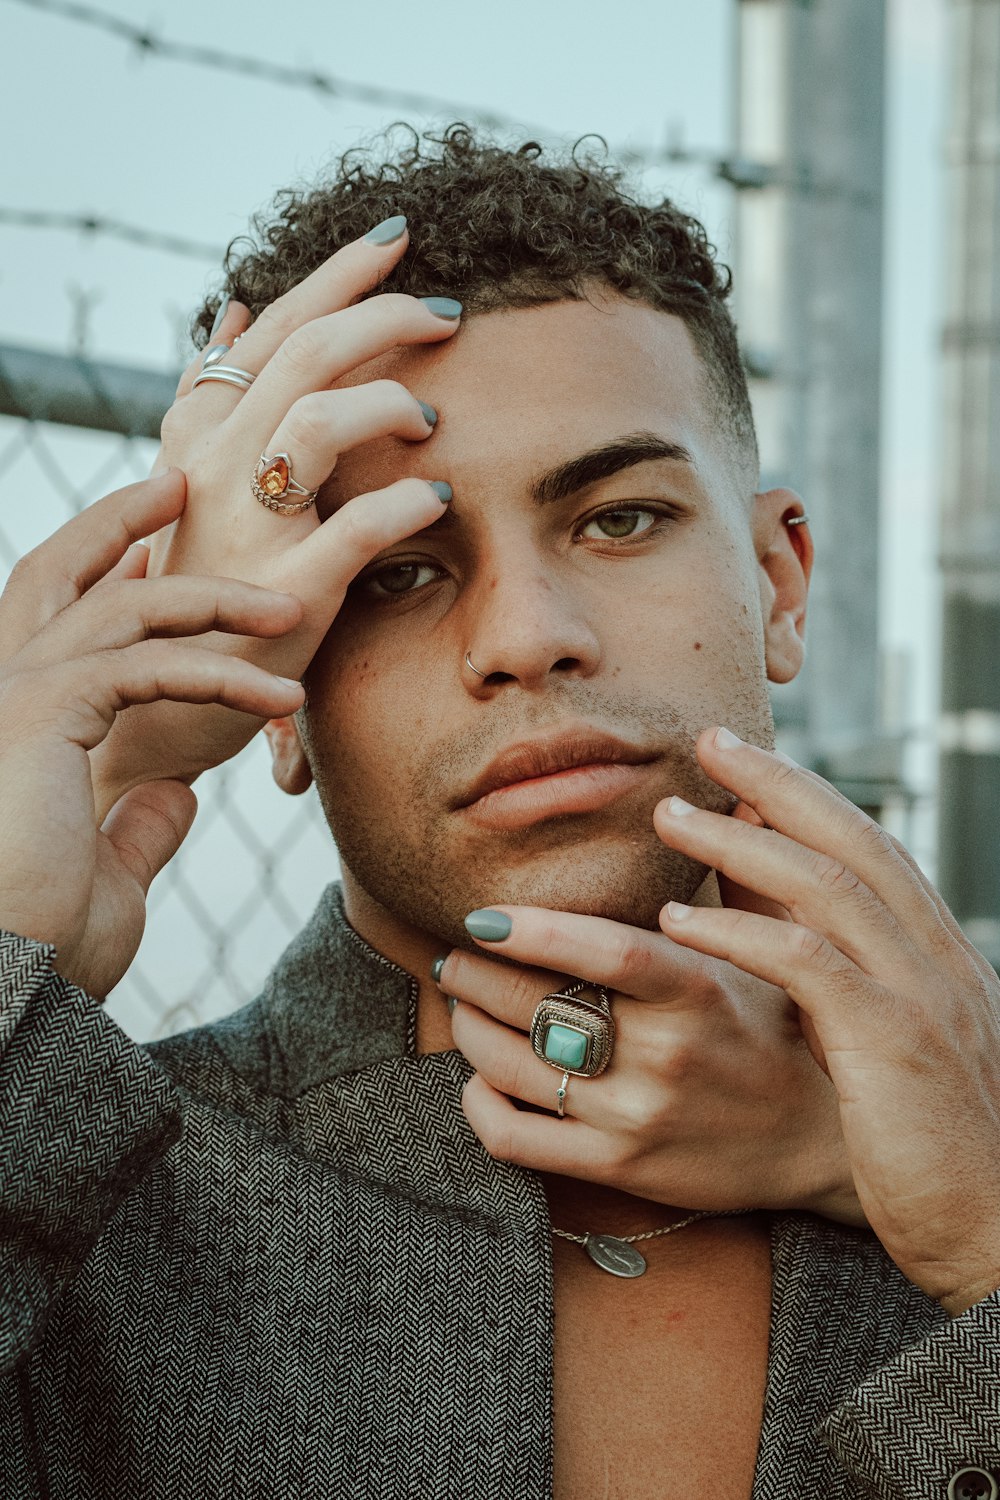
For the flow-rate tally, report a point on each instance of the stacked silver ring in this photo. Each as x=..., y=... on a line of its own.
x=213, y=369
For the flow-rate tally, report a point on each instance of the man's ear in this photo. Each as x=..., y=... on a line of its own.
x=289, y=766
x=785, y=558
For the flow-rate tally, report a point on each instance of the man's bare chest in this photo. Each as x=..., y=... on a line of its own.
x=659, y=1382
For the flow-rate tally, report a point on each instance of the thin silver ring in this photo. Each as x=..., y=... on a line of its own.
x=561, y=1094
x=228, y=375
x=797, y=521
x=468, y=663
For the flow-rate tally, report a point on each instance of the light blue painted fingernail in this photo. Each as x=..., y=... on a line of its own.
x=223, y=309
x=430, y=415
x=489, y=926
x=387, y=231
x=443, y=307
x=213, y=354
x=442, y=489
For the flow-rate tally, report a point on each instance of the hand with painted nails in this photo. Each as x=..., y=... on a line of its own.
x=711, y=1099
x=84, y=634
x=899, y=1009
x=283, y=405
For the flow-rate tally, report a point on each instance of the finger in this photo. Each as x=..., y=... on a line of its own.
x=735, y=895
x=544, y=1143
x=505, y=1059
x=333, y=554
x=509, y=992
x=174, y=605
x=148, y=825
x=132, y=565
x=849, y=1012
x=83, y=551
x=807, y=809
x=79, y=699
x=347, y=275
x=319, y=353
x=816, y=889
x=628, y=959
x=324, y=424
x=234, y=322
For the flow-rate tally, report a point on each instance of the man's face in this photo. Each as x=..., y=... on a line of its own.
x=621, y=599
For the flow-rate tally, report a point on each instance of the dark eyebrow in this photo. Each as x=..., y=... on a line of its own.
x=601, y=463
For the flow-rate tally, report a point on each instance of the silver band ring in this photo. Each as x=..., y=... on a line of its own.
x=561, y=1094
x=468, y=663
x=797, y=521
x=572, y=1034
x=228, y=374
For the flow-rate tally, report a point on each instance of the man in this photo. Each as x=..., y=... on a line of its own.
x=272, y=1254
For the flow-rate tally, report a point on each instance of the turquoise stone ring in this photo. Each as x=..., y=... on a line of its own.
x=574, y=1033
x=565, y=1046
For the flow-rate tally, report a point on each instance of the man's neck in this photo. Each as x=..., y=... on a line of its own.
x=574, y=1205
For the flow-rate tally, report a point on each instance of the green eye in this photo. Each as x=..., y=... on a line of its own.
x=620, y=523
x=399, y=578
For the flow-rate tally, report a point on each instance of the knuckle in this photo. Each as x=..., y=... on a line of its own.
x=277, y=321
x=871, y=839
x=353, y=532
x=814, y=950
x=638, y=1109
x=783, y=772
x=301, y=352
x=631, y=959
x=310, y=421
x=523, y=993
x=498, y=1141
x=23, y=570
x=518, y=1074
x=177, y=420
x=394, y=396
x=836, y=880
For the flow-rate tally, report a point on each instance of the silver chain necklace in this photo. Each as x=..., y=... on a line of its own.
x=614, y=1253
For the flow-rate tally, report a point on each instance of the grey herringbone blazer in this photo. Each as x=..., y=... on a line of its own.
x=270, y=1258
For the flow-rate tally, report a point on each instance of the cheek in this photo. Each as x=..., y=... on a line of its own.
x=367, y=709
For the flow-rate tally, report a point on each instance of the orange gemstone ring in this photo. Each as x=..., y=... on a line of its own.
x=272, y=480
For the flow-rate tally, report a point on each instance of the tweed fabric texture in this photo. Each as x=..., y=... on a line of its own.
x=270, y=1257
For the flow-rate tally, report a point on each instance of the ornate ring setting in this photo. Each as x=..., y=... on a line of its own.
x=575, y=1035
x=272, y=480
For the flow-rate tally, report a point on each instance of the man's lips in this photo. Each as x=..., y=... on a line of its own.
x=570, y=772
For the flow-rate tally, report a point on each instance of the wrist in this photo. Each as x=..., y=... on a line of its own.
x=977, y=1290
x=842, y=1205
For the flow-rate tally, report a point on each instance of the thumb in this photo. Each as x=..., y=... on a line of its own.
x=737, y=895
x=147, y=826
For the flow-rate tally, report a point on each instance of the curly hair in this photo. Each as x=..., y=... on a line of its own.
x=500, y=227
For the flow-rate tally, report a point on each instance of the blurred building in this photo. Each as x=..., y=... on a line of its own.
x=808, y=173
x=969, y=805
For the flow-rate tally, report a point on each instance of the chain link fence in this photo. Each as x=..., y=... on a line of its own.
x=253, y=865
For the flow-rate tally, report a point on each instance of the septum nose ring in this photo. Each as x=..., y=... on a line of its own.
x=468, y=663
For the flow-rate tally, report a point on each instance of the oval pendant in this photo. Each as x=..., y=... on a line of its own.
x=614, y=1255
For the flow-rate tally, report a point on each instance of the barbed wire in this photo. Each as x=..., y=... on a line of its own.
x=736, y=171
x=96, y=224
x=329, y=87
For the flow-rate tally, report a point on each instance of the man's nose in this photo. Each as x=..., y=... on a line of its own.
x=527, y=622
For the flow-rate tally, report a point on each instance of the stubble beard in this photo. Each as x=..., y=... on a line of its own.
x=428, y=868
